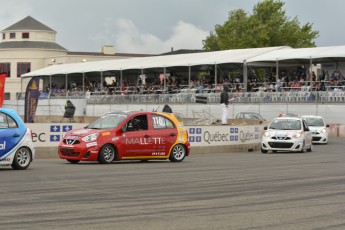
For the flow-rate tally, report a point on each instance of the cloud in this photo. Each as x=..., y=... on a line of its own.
x=127, y=37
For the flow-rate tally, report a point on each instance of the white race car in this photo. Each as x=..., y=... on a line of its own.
x=16, y=146
x=318, y=127
x=289, y=134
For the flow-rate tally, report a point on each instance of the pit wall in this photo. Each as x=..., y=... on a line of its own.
x=203, y=139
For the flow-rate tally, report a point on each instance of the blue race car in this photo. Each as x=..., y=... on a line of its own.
x=16, y=145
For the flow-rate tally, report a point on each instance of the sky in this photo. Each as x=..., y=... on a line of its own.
x=157, y=26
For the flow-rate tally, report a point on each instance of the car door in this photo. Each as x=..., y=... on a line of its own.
x=10, y=134
x=135, y=139
x=163, y=135
x=308, y=133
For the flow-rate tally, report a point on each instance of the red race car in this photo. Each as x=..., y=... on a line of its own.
x=127, y=136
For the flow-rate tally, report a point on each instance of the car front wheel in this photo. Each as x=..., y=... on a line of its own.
x=178, y=153
x=22, y=159
x=263, y=150
x=107, y=154
x=73, y=161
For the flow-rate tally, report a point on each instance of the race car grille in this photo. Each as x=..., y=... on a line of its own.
x=71, y=142
x=281, y=138
x=281, y=145
x=316, y=138
x=69, y=152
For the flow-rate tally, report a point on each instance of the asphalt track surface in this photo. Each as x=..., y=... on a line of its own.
x=207, y=191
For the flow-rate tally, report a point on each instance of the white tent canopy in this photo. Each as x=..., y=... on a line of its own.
x=194, y=59
x=330, y=52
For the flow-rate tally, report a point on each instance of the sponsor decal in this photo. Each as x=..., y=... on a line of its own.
x=80, y=132
x=195, y=134
x=158, y=153
x=145, y=141
x=115, y=138
x=66, y=128
x=91, y=144
x=3, y=145
x=216, y=137
x=105, y=134
x=55, y=128
x=54, y=138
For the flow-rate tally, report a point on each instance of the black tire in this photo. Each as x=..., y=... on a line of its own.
x=302, y=150
x=310, y=149
x=73, y=161
x=22, y=159
x=107, y=154
x=178, y=153
x=264, y=151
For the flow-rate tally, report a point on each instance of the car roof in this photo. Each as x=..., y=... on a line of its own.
x=315, y=116
x=13, y=114
x=287, y=118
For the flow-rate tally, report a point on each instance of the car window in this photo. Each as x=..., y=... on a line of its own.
x=286, y=124
x=314, y=121
x=160, y=122
x=137, y=123
x=108, y=121
x=7, y=121
x=305, y=126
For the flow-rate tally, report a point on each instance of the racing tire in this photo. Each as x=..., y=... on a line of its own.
x=73, y=161
x=178, y=153
x=302, y=149
x=310, y=149
x=264, y=151
x=22, y=159
x=107, y=154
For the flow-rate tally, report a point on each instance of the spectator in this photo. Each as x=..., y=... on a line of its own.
x=224, y=102
x=167, y=109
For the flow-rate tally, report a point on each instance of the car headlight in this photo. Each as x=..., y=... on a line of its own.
x=297, y=135
x=323, y=130
x=91, y=137
x=267, y=134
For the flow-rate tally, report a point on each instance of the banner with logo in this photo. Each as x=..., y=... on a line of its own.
x=2, y=88
x=31, y=100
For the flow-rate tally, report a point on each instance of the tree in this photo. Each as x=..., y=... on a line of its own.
x=268, y=26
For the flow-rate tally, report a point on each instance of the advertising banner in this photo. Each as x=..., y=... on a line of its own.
x=49, y=135
x=31, y=100
x=2, y=88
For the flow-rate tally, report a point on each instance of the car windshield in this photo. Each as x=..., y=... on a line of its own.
x=314, y=121
x=253, y=116
x=286, y=124
x=108, y=121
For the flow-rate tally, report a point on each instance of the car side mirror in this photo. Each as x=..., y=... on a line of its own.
x=123, y=129
x=265, y=128
x=327, y=125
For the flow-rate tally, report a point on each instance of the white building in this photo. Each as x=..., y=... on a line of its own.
x=29, y=45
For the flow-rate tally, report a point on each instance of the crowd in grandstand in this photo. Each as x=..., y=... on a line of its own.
x=297, y=80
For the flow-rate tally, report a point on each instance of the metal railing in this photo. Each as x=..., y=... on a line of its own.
x=247, y=97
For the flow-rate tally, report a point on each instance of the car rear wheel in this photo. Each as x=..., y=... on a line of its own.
x=107, y=154
x=178, y=153
x=73, y=161
x=22, y=159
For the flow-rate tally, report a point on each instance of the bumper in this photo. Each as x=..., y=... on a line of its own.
x=274, y=145
x=78, y=152
x=320, y=139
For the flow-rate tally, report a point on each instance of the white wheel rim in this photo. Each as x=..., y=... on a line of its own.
x=178, y=152
x=23, y=157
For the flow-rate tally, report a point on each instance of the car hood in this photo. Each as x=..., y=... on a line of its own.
x=283, y=132
x=314, y=128
x=82, y=132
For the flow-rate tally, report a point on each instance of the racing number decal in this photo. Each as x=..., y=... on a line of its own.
x=158, y=122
